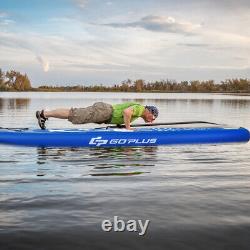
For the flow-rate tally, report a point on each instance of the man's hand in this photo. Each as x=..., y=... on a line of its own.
x=129, y=128
x=127, y=114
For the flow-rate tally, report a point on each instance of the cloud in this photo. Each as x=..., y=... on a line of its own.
x=238, y=58
x=195, y=45
x=4, y=20
x=229, y=4
x=18, y=41
x=3, y=14
x=159, y=24
x=43, y=62
x=61, y=19
x=11, y=40
x=81, y=3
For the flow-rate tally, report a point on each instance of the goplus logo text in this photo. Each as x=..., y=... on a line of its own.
x=98, y=141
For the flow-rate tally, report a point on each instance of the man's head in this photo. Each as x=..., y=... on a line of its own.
x=150, y=113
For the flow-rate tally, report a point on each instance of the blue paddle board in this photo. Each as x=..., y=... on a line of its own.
x=113, y=137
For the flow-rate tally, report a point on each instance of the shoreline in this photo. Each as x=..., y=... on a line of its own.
x=139, y=92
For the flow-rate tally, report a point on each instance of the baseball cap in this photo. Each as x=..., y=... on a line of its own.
x=153, y=110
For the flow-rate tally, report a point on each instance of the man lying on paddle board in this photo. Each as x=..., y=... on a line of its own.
x=101, y=112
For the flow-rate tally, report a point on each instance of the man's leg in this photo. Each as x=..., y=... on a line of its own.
x=57, y=113
x=42, y=116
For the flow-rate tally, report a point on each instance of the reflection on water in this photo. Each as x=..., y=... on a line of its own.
x=236, y=103
x=13, y=104
x=119, y=174
x=103, y=161
x=1, y=103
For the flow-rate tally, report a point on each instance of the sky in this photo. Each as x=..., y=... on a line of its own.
x=69, y=42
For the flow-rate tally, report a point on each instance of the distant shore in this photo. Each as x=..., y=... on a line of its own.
x=37, y=90
x=16, y=81
x=115, y=91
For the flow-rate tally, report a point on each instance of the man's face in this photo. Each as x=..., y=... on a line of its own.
x=149, y=117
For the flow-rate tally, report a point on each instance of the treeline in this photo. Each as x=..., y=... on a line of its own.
x=15, y=81
x=227, y=86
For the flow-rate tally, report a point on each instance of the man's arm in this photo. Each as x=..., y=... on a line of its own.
x=127, y=114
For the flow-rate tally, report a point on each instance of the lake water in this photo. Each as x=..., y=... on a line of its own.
x=196, y=197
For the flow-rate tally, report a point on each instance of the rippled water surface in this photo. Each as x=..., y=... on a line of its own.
x=196, y=197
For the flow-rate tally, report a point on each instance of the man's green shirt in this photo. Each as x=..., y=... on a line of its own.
x=117, y=115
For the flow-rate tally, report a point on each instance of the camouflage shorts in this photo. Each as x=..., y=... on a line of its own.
x=99, y=112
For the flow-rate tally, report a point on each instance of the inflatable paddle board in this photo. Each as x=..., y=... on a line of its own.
x=113, y=137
